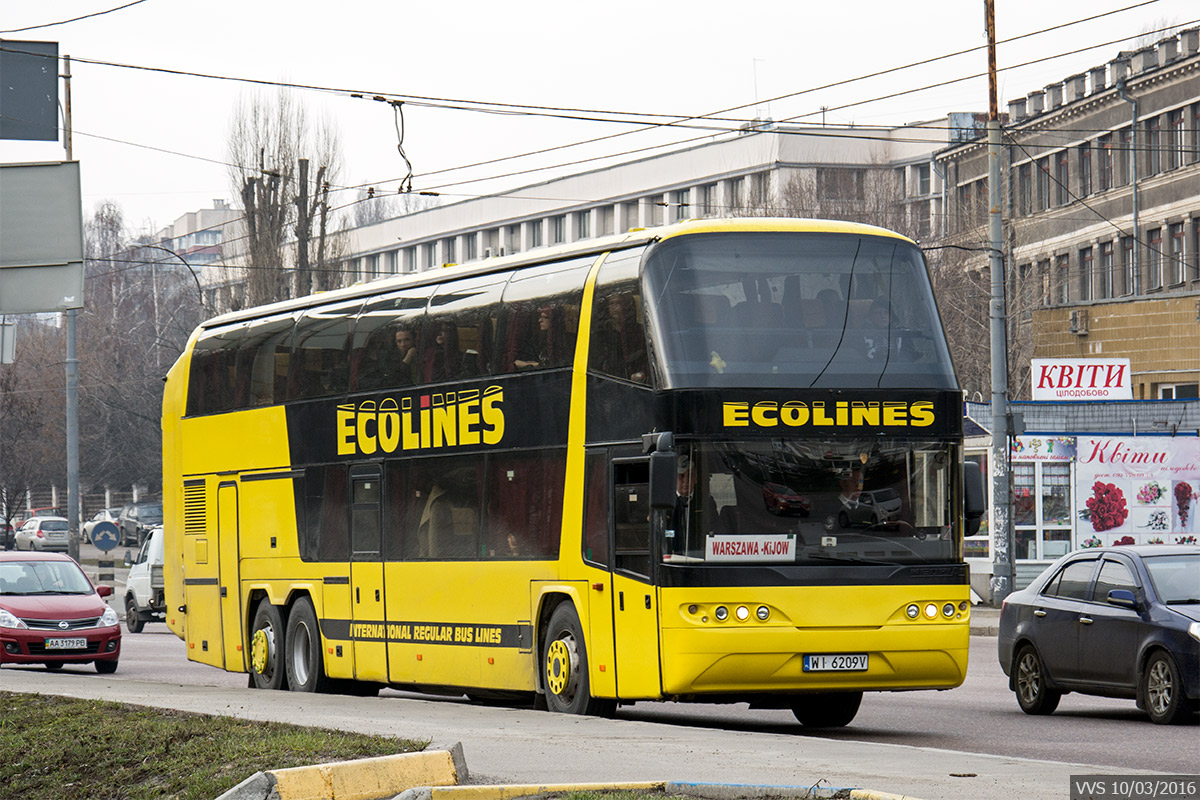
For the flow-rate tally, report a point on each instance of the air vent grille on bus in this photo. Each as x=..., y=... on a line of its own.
x=195, y=511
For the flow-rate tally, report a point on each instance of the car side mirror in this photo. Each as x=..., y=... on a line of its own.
x=104, y=591
x=976, y=498
x=128, y=559
x=1123, y=598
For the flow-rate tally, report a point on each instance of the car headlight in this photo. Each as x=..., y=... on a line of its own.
x=1193, y=630
x=109, y=617
x=9, y=620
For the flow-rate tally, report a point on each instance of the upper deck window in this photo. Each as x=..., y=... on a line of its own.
x=821, y=310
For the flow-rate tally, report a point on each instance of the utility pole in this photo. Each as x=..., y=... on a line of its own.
x=1002, y=531
x=72, y=363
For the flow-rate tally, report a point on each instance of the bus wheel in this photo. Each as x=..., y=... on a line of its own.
x=833, y=710
x=305, y=667
x=266, y=647
x=565, y=671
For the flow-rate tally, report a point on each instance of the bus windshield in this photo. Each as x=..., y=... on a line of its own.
x=794, y=502
x=795, y=309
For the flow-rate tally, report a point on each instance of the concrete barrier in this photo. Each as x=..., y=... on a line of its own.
x=361, y=779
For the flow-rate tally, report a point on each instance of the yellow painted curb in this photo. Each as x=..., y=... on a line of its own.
x=505, y=792
x=368, y=778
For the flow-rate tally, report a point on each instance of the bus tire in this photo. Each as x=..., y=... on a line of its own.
x=565, y=669
x=833, y=710
x=305, y=666
x=266, y=647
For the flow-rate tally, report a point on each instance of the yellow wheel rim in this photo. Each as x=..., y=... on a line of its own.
x=260, y=650
x=558, y=666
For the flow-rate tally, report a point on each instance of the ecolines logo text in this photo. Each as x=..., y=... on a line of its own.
x=449, y=419
x=841, y=414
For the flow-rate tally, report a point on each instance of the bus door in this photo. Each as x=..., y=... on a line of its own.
x=366, y=577
x=202, y=586
x=635, y=601
x=229, y=577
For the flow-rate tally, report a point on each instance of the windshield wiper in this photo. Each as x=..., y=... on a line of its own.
x=850, y=559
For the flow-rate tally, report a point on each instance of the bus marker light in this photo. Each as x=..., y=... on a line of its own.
x=763, y=612
x=491, y=660
x=931, y=610
x=239, y=648
x=743, y=613
x=419, y=656
x=603, y=668
x=948, y=609
x=599, y=587
x=722, y=613
x=962, y=606
x=912, y=611
x=692, y=609
x=331, y=651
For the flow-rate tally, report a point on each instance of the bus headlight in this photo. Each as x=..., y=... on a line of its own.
x=931, y=610
x=743, y=613
x=948, y=609
x=722, y=613
x=912, y=611
x=763, y=612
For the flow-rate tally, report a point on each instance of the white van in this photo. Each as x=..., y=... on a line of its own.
x=144, y=598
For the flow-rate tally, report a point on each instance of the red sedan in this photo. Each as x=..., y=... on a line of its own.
x=51, y=614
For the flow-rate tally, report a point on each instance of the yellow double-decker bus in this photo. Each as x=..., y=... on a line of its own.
x=714, y=461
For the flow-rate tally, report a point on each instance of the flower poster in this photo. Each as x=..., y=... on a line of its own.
x=1136, y=490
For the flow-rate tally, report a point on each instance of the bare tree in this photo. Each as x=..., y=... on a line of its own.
x=285, y=204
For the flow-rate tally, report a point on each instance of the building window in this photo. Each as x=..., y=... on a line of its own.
x=450, y=251
x=1127, y=156
x=1085, y=273
x=1194, y=266
x=1176, y=139
x=535, y=233
x=512, y=239
x=1043, y=273
x=1174, y=264
x=1128, y=265
x=1024, y=190
x=1178, y=391
x=1102, y=286
x=835, y=183
x=1154, y=143
x=1043, y=184
x=1062, y=178
x=708, y=200
x=1062, y=278
x=737, y=191
x=430, y=259
x=902, y=182
x=923, y=188
x=393, y=261
x=1085, y=169
x=373, y=266
x=1024, y=291
x=758, y=189
x=1106, y=162
x=583, y=224
x=410, y=260
x=656, y=209
x=558, y=229
x=606, y=222
x=470, y=247
x=1195, y=133
x=683, y=207
x=1154, y=243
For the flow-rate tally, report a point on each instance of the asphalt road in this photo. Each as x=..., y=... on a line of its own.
x=972, y=741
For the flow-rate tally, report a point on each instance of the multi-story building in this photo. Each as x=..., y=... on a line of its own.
x=197, y=238
x=1102, y=217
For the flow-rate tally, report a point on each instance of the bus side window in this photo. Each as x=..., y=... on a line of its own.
x=319, y=365
x=524, y=504
x=540, y=318
x=595, y=513
x=326, y=533
x=449, y=525
x=263, y=361
x=457, y=339
x=211, y=382
x=631, y=517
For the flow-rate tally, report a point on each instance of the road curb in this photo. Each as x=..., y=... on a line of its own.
x=735, y=791
x=361, y=779
x=512, y=791
x=707, y=791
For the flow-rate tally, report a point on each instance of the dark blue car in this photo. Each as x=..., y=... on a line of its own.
x=1114, y=621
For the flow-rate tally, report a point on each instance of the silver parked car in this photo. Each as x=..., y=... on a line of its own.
x=43, y=533
x=103, y=515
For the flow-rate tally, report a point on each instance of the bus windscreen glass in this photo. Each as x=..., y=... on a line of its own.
x=815, y=310
x=793, y=502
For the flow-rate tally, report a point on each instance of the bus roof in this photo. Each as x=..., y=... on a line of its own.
x=633, y=238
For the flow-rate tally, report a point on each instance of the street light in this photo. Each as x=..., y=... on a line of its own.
x=195, y=277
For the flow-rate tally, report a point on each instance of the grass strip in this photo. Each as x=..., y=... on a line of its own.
x=61, y=748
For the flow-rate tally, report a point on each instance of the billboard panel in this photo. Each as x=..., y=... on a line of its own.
x=41, y=237
x=29, y=90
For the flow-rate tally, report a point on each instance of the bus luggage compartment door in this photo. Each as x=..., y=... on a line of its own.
x=366, y=577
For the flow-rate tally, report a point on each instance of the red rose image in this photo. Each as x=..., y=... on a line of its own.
x=1106, y=507
x=1183, y=497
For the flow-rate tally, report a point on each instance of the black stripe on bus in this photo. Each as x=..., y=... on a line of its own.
x=435, y=633
x=200, y=582
x=837, y=573
x=273, y=476
x=337, y=580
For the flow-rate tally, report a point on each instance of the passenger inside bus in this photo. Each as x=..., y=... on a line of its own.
x=441, y=360
x=450, y=521
x=546, y=346
x=621, y=340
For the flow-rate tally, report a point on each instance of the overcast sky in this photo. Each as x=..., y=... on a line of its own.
x=155, y=143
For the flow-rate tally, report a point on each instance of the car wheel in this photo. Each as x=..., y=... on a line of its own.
x=565, y=669
x=54, y=666
x=133, y=620
x=833, y=710
x=1033, y=695
x=1161, y=691
x=305, y=667
x=106, y=667
x=266, y=647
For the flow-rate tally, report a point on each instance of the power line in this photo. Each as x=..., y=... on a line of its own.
x=73, y=19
